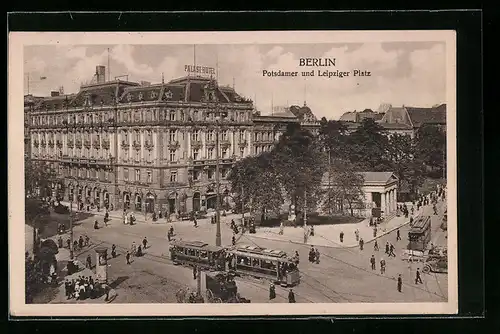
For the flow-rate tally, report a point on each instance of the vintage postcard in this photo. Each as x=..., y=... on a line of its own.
x=222, y=173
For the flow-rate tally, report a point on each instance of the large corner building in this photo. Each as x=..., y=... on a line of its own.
x=147, y=146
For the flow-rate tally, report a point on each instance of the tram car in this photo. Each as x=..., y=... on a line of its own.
x=197, y=253
x=259, y=262
x=265, y=263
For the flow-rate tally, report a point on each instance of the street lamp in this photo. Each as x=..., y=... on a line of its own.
x=218, y=241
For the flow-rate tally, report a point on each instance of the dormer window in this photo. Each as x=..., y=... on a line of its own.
x=129, y=97
x=169, y=95
x=141, y=96
x=154, y=95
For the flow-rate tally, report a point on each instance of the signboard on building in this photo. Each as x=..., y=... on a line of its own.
x=199, y=70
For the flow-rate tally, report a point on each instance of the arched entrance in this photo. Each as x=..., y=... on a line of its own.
x=138, y=202
x=126, y=200
x=105, y=196
x=88, y=194
x=196, y=201
x=211, y=200
x=150, y=203
x=172, y=202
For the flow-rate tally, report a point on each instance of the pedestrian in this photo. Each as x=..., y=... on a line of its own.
x=375, y=246
x=233, y=240
x=398, y=235
x=281, y=228
x=361, y=244
x=341, y=236
x=356, y=233
x=387, y=247
x=391, y=251
x=418, y=279
x=80, y=242
x=96, y=225
x=75, y=245
x=113, y=251
x=89, y=262
x=66, y=289
x=382, y=266
x=133, y=248
x=411, y=221
x=139, y=251
x=168, y=236
x=145, y=242
x=400, y=283
x=272, y=291
x=60, y=242
x=194, y=272
x=372, y=262
x=434, y=208
x=196, y=222
x=317, y=255
x=68, y=243
x=128, y=257
x=291, y=296
x=374, y=232
x=87, y=240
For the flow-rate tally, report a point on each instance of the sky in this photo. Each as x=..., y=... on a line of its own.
x=402, y=73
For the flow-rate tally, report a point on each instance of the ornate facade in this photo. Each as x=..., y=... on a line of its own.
x=147, y=147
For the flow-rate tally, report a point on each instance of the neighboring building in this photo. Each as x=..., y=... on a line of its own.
x=148, y=146
x=380, y=190
x=402, y=120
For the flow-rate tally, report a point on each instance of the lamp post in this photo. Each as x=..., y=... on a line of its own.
x=218, y=241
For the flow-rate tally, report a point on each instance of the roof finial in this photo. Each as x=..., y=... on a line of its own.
x=162, y=79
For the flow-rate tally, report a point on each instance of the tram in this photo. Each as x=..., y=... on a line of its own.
x=265, y=263
x=420, y=234
x=197, y=253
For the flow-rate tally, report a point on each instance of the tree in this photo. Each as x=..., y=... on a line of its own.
x=366, y=147
x=401, y=156
x=299, y=161
x=333, y=136
x=38, y=179
x=345, y=187
x=430, y=143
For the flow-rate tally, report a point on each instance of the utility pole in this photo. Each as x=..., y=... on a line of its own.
x=71, y=254
x=218, y=241
x=242, y=207
x=305, y=208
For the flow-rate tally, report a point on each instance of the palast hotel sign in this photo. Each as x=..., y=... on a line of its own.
x=199, y=70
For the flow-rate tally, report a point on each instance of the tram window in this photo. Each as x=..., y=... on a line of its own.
x=255, y=262
x=204, y=254
x=244, y=260
x=268, y=265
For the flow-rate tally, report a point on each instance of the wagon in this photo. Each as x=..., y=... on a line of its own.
x=221, y=288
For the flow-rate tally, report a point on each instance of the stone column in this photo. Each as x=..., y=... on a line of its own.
x=394, y=199
x=382, y=202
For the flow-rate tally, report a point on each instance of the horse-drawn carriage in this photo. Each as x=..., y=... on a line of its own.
x=221, y=288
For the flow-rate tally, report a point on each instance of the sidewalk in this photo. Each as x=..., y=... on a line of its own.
x=329, y=235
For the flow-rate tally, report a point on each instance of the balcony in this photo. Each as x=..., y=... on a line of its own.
x=210, y=143
x=225, y=143
x=173, y=145
x=59, y=144
x=125, y=144
x=196, y=144
x=243, y=143
x=136, y=144
x=148, y=144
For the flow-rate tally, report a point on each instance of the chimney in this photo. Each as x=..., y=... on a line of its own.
x=100, y=72
x=54, y=93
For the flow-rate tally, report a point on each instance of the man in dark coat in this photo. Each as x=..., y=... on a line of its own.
x=341, y=236
x=372, y=261
x=128, y=257
x=272, y=291
x=418, y=279
x=400, y=282
x=194, y=272
x=398, y=235
x=291, y=296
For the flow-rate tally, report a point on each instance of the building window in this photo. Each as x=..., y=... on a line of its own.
x=173, y=176
x=172, y=155
x=224, y=135
x=137, y=175
x=148, y=156
x=172, y=115
x=88, y=173
x=224, y=153
x=196, y=154
x=195, y=115
x=149, y=136
x=255, y=136
x=137, y=155
x=242, y=151
x=242, y=135
x=210, y=153
x=172, y=135
x=211, y=174
x=210, y=135
x=125, y=174
x=137, y=137
x=150, y=176
x=195, y=135
x=196, y=175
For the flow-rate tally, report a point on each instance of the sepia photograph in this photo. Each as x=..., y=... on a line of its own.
x=194, y=169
